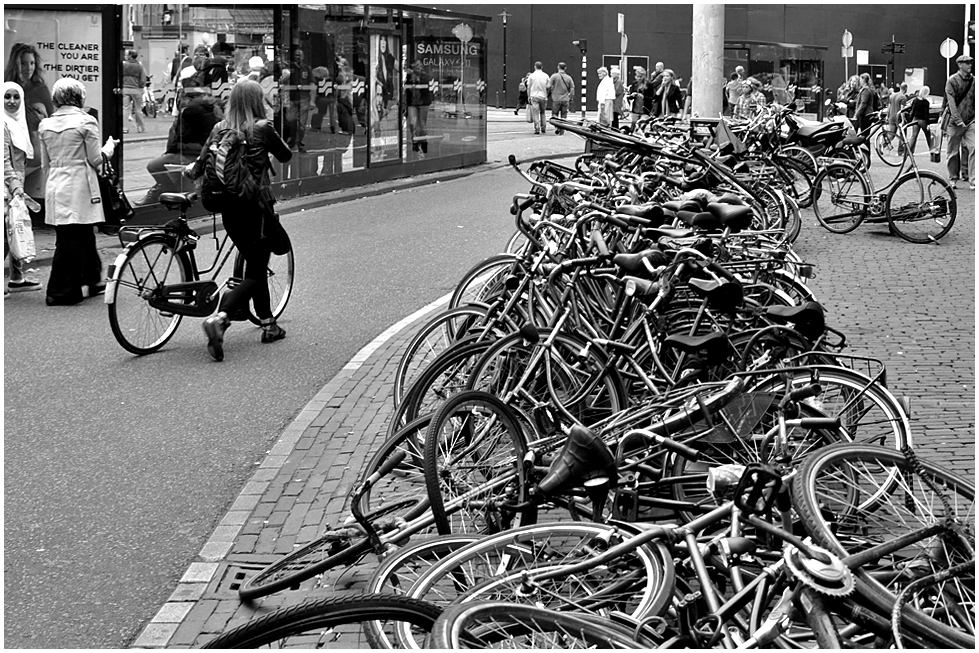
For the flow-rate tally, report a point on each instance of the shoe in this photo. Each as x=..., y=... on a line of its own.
x=972, y=186
x=96, y=290
x=53, y=301
x=24, y=285
x=152, y=196
x=214, y=328
x=272, y=331
x=536, y=133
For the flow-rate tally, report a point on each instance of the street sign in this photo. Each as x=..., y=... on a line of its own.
x=621, y=23
x=948, y=48
x=847, y=38
x=847, y=51
x=624, y=43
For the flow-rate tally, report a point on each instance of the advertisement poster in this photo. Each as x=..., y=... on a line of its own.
x=385, y=97
x=41, y=47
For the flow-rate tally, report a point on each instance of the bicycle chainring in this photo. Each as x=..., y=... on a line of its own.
x=831, y=578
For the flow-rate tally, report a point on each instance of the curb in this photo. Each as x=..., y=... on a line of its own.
x=192, y=585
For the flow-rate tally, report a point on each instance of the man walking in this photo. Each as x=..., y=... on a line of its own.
x=960, y=94
x=561, y=88
x=537, y=93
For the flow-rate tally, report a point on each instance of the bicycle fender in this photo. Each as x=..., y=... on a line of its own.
x=113, y=278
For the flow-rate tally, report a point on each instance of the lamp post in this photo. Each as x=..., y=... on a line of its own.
x=847, y=42
x=505, y=15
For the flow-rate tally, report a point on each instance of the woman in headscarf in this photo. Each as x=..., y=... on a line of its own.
x=71, y=155
x=17, y=149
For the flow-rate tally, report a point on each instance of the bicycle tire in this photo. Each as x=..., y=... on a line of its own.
x=841, y=196
x=502, y=461
x=501, y=624
x=328, y=616
x=638, y=583
x=484, y=280
x=137, y=326
x=931, y=205
x=281, y=276
x=397, y=573
x=890, y=148
x=803, y=157
x=799, y=183
x=825, y=493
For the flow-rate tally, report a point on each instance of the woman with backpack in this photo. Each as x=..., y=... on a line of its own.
x=252, y=225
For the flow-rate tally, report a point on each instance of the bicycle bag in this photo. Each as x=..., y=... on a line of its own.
x=226, y=171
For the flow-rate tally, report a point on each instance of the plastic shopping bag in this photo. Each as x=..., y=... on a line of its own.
x=20, y=235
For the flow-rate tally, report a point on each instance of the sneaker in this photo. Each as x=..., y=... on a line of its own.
x=96, y=290
x=272, y=331
x=972, y=185
x=214, y=328
x=24, y=285
x=152, y=196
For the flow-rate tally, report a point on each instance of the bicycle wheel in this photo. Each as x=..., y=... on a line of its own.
x=137, y=274
x=841, y=196
x=576, y=379
x=868, y=412
x=485, y=280
x=921, y=207
x=889, y=147
x=474, y=452
x=505, y=625
x=281, y=274
x=397, y=573
x=437, y=335
x=797, y=181
x=838, y=495
x=548, y=565
x=803, y=157
x=330, y=623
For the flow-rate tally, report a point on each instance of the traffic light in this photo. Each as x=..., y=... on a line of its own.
x=971, y=34
x=581, y=43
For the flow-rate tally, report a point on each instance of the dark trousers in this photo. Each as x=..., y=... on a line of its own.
x=76, y=262
x=244, y=225
x=170, y=181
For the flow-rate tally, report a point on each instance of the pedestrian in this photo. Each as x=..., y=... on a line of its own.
x=847, y=94
x=653, y=89
x=863, y=113
x=522, y=98
x=895, y=103
x=752, y=100
x=919, y=117
x=326, y=101
x=301, y=90
x=537, y=93
x=418, y=97
x=71, y=156
x=670, y=97
x=188, y=133
x=133, y=82
x=561, y=88
x=619, y=95
x=253, y=227
x=637, y=95
x=17, y=149
x=605, y=96
x=732, y=92
x=960, y=97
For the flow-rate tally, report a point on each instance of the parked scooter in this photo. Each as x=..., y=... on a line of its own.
x=835, y=138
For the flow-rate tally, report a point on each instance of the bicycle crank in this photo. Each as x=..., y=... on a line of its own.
x=192, y=298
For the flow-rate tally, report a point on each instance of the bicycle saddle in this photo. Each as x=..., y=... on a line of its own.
x=713, y=346
x=182, y=201
x=810, y=131
x=689, y=205
x=651, y=212
x=809, y=318
x=722, y=295
x=662, y=232
x=734, y=216
x=634, y=262
x=585, y=459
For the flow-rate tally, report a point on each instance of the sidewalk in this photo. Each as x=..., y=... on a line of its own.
x=525, y=147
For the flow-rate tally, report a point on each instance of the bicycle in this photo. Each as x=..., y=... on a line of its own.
x=149, y=101
x=920, y=206
x=156, y=280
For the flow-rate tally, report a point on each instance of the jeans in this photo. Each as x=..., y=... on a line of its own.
x=920, y=125
x=170, y=181
x=538, y=105
x=559, y=109
x=418, y=127
x=132, y=101
x=324, y=107
x=76, y=262
x=958, y=137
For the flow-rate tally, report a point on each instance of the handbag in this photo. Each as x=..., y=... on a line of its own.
x=115, y=204
x=20, y=235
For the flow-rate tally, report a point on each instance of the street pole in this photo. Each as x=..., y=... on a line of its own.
x=583, y=46
x=847, y=42
x=504, y=14
x=707, y=68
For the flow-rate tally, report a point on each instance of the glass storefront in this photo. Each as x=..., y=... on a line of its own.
x=789, y=73
x=360, y=93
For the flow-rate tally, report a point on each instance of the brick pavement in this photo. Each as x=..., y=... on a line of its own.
x=912, y=306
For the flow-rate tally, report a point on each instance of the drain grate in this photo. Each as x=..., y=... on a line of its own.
x=235, y=575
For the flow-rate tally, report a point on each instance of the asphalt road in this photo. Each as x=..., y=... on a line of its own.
x=117, y=468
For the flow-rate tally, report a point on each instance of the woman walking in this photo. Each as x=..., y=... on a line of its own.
x=253, y=227
x=70, y=155
x=669, y=93
x=17, y=150
x=919, y=117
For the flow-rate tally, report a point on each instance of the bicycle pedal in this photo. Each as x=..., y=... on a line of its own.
x=758, y=489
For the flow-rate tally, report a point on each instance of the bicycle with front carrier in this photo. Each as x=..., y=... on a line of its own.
x=157, y=280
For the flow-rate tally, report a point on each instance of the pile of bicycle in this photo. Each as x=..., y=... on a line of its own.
x=635, y=429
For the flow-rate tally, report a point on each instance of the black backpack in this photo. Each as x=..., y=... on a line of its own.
x=226, y=171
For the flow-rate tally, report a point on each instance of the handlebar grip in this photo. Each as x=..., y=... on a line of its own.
x=386, y=468
x=618, y=222
x=820, y=422
x=813, y=390
x=523, y=206
x=679, y=448
x=512, y=160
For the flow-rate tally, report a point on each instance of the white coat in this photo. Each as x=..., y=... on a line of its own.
x=70, y=157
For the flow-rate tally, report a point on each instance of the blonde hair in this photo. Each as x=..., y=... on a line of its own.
x=246, y=105
x=68, y=91
x=923, y=91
